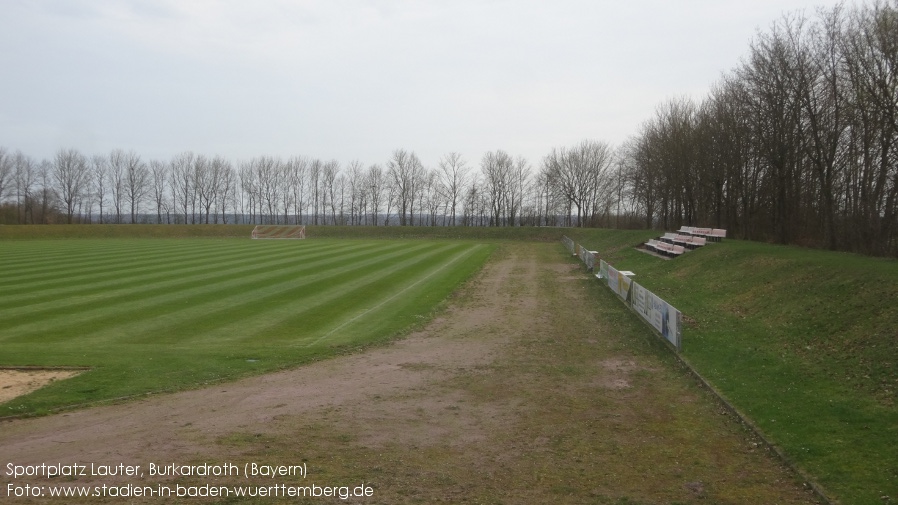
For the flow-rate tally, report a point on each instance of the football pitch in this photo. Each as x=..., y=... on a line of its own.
x=167, y=314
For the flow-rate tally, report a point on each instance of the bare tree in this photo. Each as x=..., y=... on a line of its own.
x=25, y=179
x=474, y=203
x=355, y=176
x=6, y=173
x=118, y=166
x=824, y=101
x=517, y=186
x=204, y=188
x=871, y=63
x=297, y=179
x=774, y=91
x=227, y=186
x=431, y=197
x=159, y=172
x=390, y=197
x=453, y=177
x=46, y=194
x=249, y=188
x=375, y=183
x=182, y=182
x=646, y=172
x=313, y=185
x=99, y=169
x=580, y=174
x=137, y=183
x=70, y=173
x=329, y=188
x=266, y=170
x=208, y=175
x=405, y=172
x=284, y=193
x=496, y=170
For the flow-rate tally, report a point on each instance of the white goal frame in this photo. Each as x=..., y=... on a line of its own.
x=272, y=231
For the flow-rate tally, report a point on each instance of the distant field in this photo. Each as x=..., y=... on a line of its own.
x=93, y=231
x=165, y=314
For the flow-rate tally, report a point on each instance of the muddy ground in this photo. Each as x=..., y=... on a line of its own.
x=533, y=386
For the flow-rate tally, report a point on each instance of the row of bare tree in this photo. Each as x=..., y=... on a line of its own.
x=799, y=144
x=120, y=187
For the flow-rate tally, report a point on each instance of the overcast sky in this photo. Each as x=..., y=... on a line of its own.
x=355, y=80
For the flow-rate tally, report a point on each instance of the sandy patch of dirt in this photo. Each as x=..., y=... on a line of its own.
x=15, y=382
x=617, y=373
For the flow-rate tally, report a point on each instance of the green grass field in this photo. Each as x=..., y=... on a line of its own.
x=151, y=315
x=803, y=342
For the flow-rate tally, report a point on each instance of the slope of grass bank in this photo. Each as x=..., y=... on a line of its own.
x=804, y=342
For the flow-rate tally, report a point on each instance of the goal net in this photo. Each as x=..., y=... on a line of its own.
x=279, y=231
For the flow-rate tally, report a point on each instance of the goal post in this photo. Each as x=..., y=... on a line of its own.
x=271, y=231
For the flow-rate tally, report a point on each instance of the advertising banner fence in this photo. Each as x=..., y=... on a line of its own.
x=666, y=319
x=612, y=278
x=619, y=283
x=589, y=258
x=662, y=316
x=603, y=270
x=569, y=244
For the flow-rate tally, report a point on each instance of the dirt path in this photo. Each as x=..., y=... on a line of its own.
x=530, y=388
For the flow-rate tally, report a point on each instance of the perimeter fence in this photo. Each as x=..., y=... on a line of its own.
x=660, y=315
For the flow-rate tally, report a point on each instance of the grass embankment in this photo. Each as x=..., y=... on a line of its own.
x=804, y=342
x=167, y=314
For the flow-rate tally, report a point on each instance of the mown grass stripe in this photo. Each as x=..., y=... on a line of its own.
x=263, y=315
x=173, y=266
x=43, y=266
x=113, y=285
x=137, y=304
x=405, y=289
x=305, y=321
x=134, y=253
x=129, y=261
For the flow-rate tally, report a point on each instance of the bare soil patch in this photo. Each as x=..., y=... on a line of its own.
x=532, y=387
x=18, y=382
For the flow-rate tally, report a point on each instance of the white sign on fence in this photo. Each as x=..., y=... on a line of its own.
x=657, y=312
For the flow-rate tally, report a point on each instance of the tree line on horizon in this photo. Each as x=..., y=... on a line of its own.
x=121, y=187
x=796, y=145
